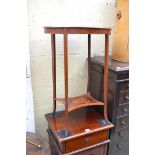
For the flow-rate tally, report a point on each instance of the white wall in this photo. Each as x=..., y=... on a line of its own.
x=42, y=13
x=30, y=123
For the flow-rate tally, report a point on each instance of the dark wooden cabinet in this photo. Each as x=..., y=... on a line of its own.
x=118, y=100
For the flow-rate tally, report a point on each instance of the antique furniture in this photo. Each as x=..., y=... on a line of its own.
x=118, y=100
x=36, y=145
x=78, y=129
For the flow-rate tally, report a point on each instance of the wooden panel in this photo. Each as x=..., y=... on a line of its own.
x=52, y=147
x=86, y=140
x=96, y=86
x=120, y=49
x=53, y=30
x=88, y=31
x=77, y=30
x=53, y=141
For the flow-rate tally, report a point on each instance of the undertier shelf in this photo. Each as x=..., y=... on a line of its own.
x=80, y=101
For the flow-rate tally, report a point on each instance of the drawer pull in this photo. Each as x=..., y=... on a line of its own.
x=87, y=131
x=119, y=147
x=87, y=140
x=125, y=110
x=123, y=123
x=127, y=98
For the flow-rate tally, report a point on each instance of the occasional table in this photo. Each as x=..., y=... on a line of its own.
x=78, y=130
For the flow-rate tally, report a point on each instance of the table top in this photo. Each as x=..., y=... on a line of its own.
x=77, y=30
x=37, y=139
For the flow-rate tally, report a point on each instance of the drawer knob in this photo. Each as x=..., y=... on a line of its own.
x=118, y=146
x=87, y=140
x=125, y=110
x=123, y=123
x=127, y=98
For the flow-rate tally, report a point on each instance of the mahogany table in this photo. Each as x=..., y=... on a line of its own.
x=78, y=129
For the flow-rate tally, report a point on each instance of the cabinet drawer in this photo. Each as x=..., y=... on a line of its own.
x=119, y=144
x=124, y=87
x=123, y=110
x=120, y=136
x=96, y=149
x=87, y=140
x=121, y=148
x=124, y=98
x=121, y=152
x=122, y=122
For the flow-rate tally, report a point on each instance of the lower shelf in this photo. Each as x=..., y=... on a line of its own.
x=80, y=101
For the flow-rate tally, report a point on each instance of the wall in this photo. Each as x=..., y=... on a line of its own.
x=41, y=13
x=30, y=123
